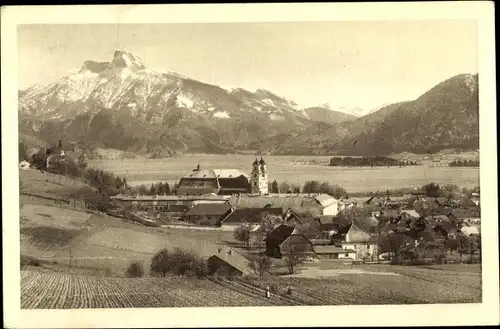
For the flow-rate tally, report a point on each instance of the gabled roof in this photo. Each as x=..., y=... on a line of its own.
x=448, y=227
x=280, y=234
x=209, y=209
x=356, y=234
x=325, y=200
x=250, y=215
x=470, y=230
x=411, y=212
x=234, y=259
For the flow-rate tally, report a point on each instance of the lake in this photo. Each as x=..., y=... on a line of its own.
x=293, y=169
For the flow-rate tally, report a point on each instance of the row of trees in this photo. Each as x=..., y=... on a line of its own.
x=313, y=187
x=159, y=188
x=464, y=163
x=373, y=161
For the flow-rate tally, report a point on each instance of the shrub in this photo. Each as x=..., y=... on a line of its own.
x=29, y=261
x=180, y=262
x=135, y=270
x=160, y=263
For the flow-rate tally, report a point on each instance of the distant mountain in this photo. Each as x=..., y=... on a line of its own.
x=444, y=117
x=124, y=105
x=321, y=114
x=447, y=116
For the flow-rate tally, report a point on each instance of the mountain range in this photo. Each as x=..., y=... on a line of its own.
x=123, y=104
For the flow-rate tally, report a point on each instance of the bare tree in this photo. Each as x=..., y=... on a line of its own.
x=242, y=233
x=294, y=254
x=260, y=264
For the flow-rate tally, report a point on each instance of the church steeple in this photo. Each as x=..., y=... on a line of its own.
x=259, y=179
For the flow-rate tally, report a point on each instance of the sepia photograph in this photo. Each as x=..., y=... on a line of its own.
x=269, y=162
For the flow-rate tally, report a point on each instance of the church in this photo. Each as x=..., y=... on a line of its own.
x=225, y=181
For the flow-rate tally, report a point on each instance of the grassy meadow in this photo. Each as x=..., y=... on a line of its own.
x=293, y=169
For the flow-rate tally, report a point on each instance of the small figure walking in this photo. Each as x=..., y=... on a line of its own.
x=268, y=292
x=288, y=290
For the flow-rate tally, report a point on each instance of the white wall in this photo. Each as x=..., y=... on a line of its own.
x=331, y=210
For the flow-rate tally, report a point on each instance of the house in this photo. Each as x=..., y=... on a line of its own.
x=24, y=165
x=300, y=203
x=410, y=213
x=471, y=230
x=208, y=214
x=291, y=218
x=247, y=215
x=218, y=181
x=352, y=237
x=227, y=262
x=284, y=239
x=333, y=252
x=445, y=230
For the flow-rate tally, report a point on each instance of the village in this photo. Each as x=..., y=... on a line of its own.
x=407, y=229
x=223, y=224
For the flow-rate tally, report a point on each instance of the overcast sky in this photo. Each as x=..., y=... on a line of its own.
x=363, y=64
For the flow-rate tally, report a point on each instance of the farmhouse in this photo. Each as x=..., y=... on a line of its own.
x=351, y=237
x=24, y=165
x=285, y=238
x=307, y=204
x=445, y=230
x=471, y=230
x=208, y=214
x=226, y=262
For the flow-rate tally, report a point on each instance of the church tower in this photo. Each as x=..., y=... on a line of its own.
x=259, y=177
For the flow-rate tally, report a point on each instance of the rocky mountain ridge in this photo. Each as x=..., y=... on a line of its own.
x=123, y=104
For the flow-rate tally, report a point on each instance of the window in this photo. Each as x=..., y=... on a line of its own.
x=346, y=255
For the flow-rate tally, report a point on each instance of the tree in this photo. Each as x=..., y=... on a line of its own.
x=23, y=152
x=295, y=188
x=310, y=229
x=284, y=187
x=135, y=270
x=274, y=187
x=260, y=264
x=393, y=243
x=463, y=245
x=166, y=188
x=295, y=253
x=311, y=187
x=268, y=224
x=160, y=263
x=39, y=159
x=152, y=189
x=451, y=245
x=242, y=233
x=431, y=190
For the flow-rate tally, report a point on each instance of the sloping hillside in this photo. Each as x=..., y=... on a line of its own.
x=445, y=117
